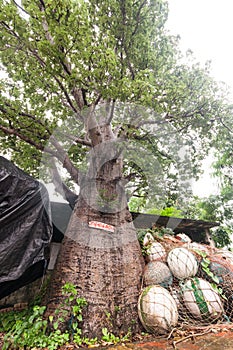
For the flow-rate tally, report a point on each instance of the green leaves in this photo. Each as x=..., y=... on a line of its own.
x=216, y=208
x=60, y=57
x=24, y=328
x=110, y=338
x=29, y=328
x=205, y=266
x=205, y=263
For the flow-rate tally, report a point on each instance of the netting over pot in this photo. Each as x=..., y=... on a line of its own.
x=198, y=278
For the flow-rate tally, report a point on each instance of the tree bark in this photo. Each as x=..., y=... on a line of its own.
x=105, y=267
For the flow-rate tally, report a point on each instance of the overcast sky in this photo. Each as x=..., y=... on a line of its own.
x=206, y=27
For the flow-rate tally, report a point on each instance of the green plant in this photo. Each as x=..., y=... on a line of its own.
x=28, y=328
x=71, y=296
x=157, y=233
x=205, y=265
x=168, y=211
x=71, y=309
x=117, y=308
x=79, y=340
x=110, y=338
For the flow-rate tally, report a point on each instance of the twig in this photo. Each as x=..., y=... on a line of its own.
x=193, y=335
x=170, y=334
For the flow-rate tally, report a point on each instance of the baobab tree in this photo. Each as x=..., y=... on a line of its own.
x=80, y=79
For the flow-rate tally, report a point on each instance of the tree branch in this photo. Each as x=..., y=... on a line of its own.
x=225, y=126
x=24, y=114
x=78, y=140
x=60, y=154
x=45, y=24
x=12, y=131
x=67, y=97
x=138, y=17
x=77, y=93
x=10, y=30
x=60, y=187
x=111, y=113
x=63, y=157
x=21, y=8
x=39, y=59
x=129, y=177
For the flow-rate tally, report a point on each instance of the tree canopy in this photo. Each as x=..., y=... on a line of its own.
x=61, y=58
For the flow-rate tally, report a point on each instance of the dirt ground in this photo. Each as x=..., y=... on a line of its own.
x=208, y=339
x=217, y=338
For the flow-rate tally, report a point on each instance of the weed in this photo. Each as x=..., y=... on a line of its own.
x=110, y=338
x=29, y=328
x=205, y=265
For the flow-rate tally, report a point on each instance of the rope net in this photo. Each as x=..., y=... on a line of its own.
x=184, y=284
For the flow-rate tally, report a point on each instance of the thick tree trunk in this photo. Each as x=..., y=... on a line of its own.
x=106, y=267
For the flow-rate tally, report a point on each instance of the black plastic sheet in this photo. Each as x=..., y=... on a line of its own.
x=25, y=227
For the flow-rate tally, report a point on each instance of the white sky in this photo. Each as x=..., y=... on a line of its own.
x=206, y=27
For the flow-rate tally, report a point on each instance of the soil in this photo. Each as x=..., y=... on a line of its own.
x=214, y=338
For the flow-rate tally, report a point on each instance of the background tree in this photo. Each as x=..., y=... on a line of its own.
x=216, y=208
x=223, y=170
x=67, y=65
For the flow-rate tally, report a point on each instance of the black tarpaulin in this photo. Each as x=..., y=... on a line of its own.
x=25, y=227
